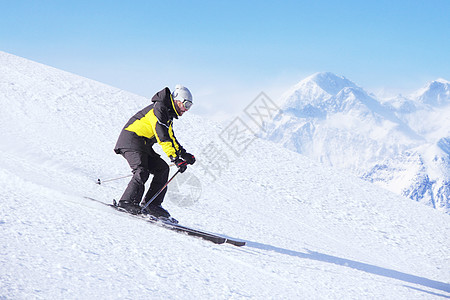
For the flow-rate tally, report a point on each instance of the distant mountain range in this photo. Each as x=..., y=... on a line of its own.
x=401, y=143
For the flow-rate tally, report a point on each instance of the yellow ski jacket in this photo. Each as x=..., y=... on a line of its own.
x=151, y=125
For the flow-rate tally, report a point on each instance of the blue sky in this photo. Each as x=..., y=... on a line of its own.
x=227, y=52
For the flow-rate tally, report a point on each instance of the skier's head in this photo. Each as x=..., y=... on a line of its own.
x=182, y=98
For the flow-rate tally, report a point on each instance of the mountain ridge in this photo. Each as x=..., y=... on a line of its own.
x=352, y=129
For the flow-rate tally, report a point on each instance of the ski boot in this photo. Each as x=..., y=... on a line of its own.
x=130, y=207
x=158, y=212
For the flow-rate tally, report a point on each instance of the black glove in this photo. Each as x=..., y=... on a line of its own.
x=189, y=158
x=181, y=164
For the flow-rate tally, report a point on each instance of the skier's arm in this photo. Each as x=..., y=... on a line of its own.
x=162, y=127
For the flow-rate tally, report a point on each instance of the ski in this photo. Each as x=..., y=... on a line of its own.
x=216, y=239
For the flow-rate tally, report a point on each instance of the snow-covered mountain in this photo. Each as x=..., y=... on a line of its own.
x=426, y=111
x=436, y=93
x=400, y=144
x=312, y=232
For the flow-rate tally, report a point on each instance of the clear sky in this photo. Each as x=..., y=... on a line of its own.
x=227, y=52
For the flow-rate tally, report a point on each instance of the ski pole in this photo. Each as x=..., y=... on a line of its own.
x=112, y=179
x=99, y=181
x=157, y=194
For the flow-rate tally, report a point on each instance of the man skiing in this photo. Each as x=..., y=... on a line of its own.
x=151, y=125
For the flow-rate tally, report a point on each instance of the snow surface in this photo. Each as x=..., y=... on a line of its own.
x=312, y=232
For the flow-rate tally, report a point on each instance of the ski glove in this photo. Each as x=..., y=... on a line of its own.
x=181, y=164
x=189, y=158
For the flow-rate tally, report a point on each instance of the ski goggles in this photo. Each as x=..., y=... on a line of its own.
x=187, y=104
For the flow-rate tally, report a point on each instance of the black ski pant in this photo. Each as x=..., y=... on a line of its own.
x=142, y=165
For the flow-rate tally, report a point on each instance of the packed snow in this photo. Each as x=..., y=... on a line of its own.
x=312, y=232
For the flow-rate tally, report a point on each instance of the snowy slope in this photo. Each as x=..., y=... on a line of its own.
x=312, y=232
x=399, y=144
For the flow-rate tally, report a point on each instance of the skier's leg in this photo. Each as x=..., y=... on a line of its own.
x=138, y=162
x=160, y=170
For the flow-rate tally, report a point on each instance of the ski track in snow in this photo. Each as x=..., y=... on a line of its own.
x=311, y=232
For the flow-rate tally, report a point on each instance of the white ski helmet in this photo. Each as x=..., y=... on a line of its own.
x=181, y=93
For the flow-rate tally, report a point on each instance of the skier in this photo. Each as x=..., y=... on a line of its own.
x=150, y=125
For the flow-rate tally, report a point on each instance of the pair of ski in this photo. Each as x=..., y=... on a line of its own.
x=217, y=239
